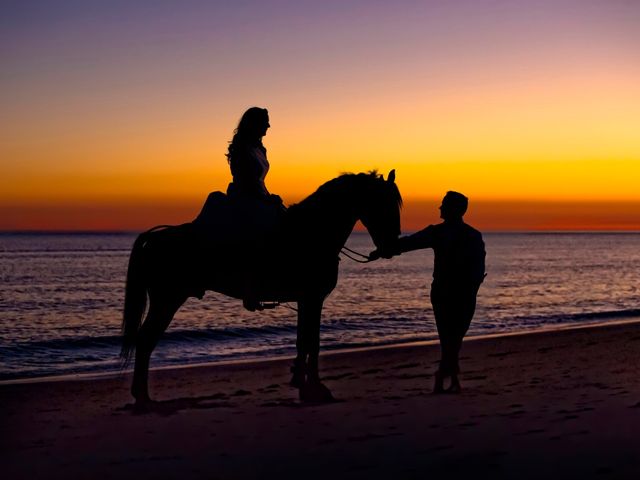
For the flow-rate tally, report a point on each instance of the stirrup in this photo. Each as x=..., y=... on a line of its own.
x=253, y=305
x=269, y=305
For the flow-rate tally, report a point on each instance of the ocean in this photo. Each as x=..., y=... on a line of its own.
x=61, y=300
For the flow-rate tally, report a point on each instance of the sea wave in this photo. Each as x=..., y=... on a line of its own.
x=177, y=337
x=577, y=317
x=62, y=295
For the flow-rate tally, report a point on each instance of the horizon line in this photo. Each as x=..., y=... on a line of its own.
x=356, y=230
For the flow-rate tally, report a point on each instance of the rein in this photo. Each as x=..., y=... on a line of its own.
x=344, y=251
x=160, y=227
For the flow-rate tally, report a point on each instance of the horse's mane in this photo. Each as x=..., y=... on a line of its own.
x=358, y=184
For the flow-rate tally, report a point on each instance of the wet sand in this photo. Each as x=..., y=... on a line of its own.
x=561, y=404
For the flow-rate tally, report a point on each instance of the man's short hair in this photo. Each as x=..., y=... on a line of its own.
x=456, y=202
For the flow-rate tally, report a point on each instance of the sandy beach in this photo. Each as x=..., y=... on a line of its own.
x=561, y=404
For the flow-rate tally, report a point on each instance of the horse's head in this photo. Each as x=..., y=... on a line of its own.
x=332, y=210
x=380, y=209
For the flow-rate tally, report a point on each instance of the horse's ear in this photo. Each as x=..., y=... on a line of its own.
x=392, y=176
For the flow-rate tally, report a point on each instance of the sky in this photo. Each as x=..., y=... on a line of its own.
x=117, y=115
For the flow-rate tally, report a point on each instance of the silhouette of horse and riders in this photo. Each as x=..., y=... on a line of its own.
x=246, y=245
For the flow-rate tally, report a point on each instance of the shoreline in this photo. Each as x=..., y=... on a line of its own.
x=114, y=375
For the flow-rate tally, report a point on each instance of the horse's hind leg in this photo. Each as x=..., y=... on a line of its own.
x=161, y=312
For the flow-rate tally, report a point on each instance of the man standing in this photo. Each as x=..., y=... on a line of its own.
x=458, y=271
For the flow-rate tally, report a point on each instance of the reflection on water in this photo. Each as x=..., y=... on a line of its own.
x=61, y=299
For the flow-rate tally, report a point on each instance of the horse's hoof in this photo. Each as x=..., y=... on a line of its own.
x=143, y=406
x=299, y=375
x=141, y=397
x=454, y=389
x=315, y=392
x=297, y=380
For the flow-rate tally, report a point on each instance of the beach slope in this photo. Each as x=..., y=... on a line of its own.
x=561, y=404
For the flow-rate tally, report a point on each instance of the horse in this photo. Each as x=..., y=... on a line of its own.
x=297, y=262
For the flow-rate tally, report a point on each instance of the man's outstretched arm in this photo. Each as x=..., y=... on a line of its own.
x=421, y=239
x=416, y=241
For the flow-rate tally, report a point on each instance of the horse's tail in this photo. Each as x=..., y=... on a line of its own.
x=135, y=298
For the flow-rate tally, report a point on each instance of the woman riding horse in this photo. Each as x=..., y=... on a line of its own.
x=299, y=264
x=257, y=208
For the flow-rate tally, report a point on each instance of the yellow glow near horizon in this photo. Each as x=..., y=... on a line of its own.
x=564, y=142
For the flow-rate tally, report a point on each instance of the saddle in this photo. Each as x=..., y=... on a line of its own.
x=215, y=217
x=236, y=219
x=243, y=227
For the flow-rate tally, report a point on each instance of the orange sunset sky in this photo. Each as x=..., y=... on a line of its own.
x=117, y=115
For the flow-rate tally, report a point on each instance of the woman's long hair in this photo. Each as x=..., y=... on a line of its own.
x=248, y=130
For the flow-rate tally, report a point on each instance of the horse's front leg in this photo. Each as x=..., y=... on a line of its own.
x=305, y=366
x=306, y=376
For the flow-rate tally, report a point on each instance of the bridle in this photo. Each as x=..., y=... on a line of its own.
x=347, y=252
